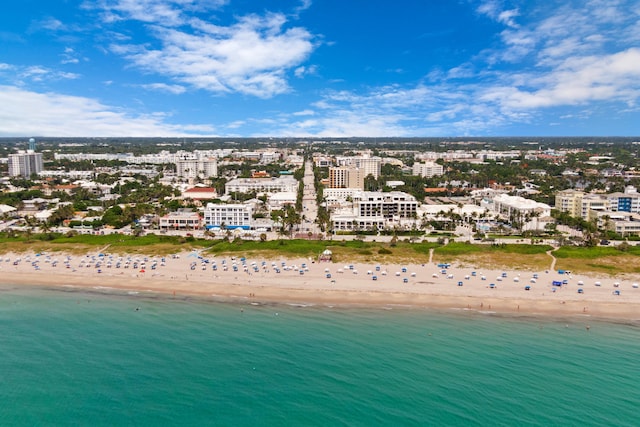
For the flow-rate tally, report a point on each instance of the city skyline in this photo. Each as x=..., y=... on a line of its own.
x=319, y=68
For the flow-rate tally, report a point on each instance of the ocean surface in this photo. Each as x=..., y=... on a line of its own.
x=78, y=358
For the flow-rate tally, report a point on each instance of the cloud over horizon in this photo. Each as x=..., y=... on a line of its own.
x=488, y=67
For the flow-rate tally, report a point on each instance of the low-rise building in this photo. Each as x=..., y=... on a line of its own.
x=286, y=183
x=182, y=219
x=427, y=169
x=227, y=216
x=375, y=210
x=527, y=212
x=280, y=200
x=622, y=223
x=199, y=194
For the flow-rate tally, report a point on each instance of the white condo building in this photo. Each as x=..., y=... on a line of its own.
x=427, y=169
x=284, y=183
x=517, y=207
x=25, y=163
x=194, y=165
x=374, y=209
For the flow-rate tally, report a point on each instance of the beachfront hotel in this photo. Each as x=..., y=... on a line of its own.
x=229, y=216
x=375, y=210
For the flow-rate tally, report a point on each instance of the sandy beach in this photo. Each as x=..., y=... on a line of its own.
x=304, y=281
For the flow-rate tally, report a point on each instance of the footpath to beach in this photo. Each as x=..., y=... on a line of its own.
x=304, y=281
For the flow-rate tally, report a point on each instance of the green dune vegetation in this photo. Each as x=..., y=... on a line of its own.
x=623, y=258
x=607, y=260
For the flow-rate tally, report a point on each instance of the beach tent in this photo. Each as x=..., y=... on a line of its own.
x=325, y=255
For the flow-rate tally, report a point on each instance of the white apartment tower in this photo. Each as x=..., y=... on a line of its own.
x=194, y=166
x=25, y=163
x=427, y=169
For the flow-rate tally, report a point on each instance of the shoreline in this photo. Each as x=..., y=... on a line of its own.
x=327, y=284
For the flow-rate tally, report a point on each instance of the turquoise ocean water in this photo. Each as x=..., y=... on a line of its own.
x=74, y=358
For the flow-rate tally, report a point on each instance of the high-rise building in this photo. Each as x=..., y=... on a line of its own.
x=346, y=177
x=195, y=166
x=25, y=163
x=367, y=165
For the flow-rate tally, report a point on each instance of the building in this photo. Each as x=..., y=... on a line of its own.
x=591, y=204
x=427, y=169
x=339, y=194
x=7, y=211
x=368, y=165
x=199, y=194
x=227, y=216
x=286, y=183
x=629, y=201
x=196, y=166
x=323, y=162
x=376, y=210
x=351, y=222
x=346, y=177
x=516, y=208
x=622, y=223
x=182, y=219
x=25, y=163
x=280, y=200
x=36, y=204
x=570, y=201
x=578, y=204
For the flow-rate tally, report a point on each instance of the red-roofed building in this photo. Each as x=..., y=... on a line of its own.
x=199, y=194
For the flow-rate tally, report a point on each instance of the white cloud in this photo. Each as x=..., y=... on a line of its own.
x=614, y=77
x=166, y=12
x=493, y=9
x=304, y=113
x=250, y=57
x=37, y=73
x=236, y=124
x=302, y=71
x=163, y=87
x=304, y=5
x=69, y=56
x=25, y=112
x=50, y=24
x=507, y=17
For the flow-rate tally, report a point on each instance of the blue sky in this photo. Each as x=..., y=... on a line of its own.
x=314, y=68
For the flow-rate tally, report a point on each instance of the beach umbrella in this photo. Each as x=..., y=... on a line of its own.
x=142, y=271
